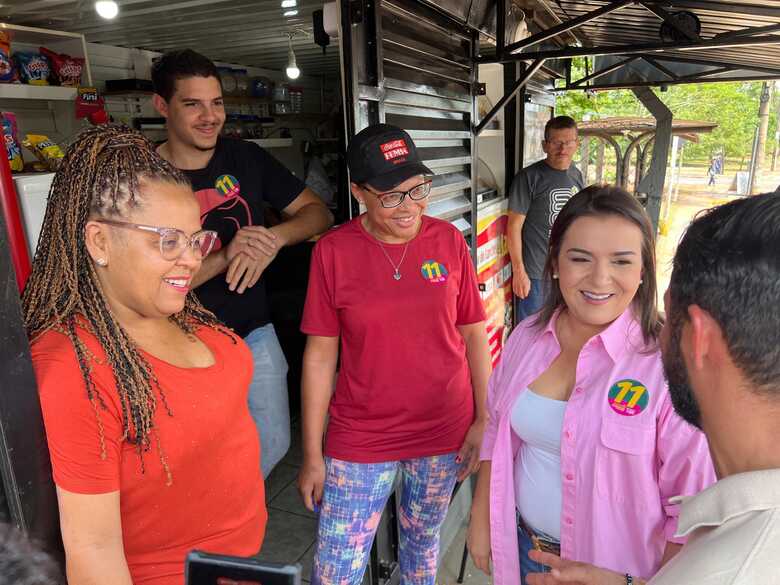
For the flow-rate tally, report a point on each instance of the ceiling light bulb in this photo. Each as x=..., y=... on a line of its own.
x=292, y=70
x=291, y=13
x=289, y=3
x=108, y=9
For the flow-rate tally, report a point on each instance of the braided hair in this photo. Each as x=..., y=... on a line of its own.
x=100, y=176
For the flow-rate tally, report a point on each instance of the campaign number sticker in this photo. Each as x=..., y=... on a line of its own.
x=628, y=397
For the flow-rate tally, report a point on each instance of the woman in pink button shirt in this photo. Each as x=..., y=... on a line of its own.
x=583, y=449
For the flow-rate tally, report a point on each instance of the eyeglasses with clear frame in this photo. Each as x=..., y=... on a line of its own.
x=395, y=198
x=173, y=241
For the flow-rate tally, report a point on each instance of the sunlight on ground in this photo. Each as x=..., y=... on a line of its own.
x=694, y=195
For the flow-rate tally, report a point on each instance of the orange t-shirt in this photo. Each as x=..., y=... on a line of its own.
x=216, y=502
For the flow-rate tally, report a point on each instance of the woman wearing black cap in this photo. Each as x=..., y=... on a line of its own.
x=399, y=290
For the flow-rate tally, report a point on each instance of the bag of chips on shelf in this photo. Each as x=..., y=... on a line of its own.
x=7, y=69
x=11, y=141
x=67, y=69
x=45, y=150
x=33, y=68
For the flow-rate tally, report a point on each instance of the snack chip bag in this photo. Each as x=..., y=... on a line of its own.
x=33, y=67
x=45, y=150
x=7, y=69
x=12, y=142
x=67, y=69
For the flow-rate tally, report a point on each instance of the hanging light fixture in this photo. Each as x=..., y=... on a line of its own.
x=292, y=67
x=108, y=9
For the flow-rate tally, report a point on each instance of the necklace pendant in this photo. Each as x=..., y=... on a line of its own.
x=397, y=275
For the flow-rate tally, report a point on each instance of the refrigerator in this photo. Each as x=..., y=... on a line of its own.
x=32, y=190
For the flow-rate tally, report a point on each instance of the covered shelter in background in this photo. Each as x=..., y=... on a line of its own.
x=641, y=134
x=639, y=45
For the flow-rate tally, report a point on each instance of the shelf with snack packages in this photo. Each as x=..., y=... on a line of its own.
x=42, y=64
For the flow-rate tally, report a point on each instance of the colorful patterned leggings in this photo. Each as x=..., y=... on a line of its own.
x=354, y=497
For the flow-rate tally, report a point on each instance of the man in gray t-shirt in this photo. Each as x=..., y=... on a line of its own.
x=537, y=194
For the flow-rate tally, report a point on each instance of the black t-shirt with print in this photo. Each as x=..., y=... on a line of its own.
x=239, y=182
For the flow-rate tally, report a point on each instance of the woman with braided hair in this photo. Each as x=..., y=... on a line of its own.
x=143, y=391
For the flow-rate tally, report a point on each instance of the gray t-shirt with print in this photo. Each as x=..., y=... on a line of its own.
x=539, y=192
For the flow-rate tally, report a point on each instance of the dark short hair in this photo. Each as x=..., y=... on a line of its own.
x=558, y=123
x=728, y=263
x=175, y=65
x=600, y=201
x=23, y=563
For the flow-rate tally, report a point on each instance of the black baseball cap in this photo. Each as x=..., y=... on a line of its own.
x=383, y=156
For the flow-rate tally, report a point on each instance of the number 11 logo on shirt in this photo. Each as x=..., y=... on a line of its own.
x=433, y=271
x=628, y=397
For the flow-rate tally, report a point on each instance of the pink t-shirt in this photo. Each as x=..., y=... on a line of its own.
x=624, y=451
x=404, y=386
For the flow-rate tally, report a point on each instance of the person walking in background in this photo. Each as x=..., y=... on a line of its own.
x=234, y=180
x=537, y=194
x=583, y=448
x=393, y=295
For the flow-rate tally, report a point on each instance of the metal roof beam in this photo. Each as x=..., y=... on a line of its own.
x=745, y=32
x=710, y=62
x=638, y=49
x=665, y=70
x=633, y=84
x=702, y=74
x=604, y=71
x=517, y=86
x=731, y=7
x=566, y=26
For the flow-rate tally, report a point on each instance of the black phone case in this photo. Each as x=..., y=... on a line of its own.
x=210, y=569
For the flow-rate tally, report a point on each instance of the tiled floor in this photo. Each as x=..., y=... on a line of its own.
x=291, y=529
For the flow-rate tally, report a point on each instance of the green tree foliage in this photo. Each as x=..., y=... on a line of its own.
x=733, y=106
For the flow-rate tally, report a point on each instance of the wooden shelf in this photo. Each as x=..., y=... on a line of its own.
x=37, y=92
x=245, y=99
x=272, y=142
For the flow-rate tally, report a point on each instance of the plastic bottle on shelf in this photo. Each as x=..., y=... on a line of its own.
x=296, y=99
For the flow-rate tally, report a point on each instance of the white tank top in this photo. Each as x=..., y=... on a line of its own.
x=538, y=421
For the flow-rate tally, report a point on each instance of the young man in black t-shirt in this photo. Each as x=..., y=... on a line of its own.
x=234, y=180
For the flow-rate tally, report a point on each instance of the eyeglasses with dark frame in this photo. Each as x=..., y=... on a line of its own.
x=563, y=143
x=173, y=241
x=395, y=198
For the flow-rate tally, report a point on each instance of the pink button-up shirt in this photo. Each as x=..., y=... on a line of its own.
x=624, y=451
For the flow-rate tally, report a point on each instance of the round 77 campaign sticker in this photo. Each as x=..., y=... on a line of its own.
x=628, y=397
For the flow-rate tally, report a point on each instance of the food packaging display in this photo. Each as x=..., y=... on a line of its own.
x=33, y=68
x=67, y=69
x=12, y=141
x=262, y=87
x=242, y=82
x=7, y=68
x=46, y=151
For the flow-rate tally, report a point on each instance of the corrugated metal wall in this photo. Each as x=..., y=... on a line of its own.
x=420, y=77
